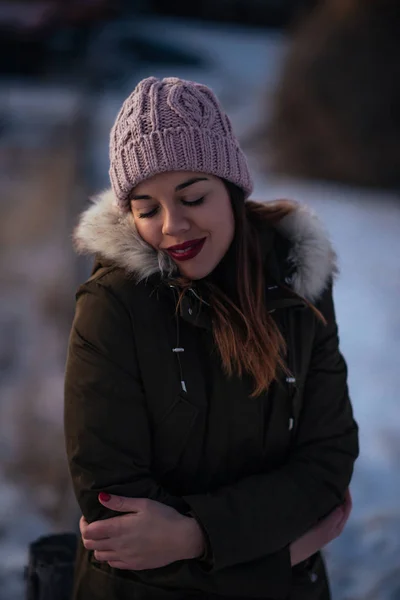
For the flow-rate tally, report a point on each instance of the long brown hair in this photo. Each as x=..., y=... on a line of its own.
x=247, y=337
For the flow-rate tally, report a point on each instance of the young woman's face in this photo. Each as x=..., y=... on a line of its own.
x=188, y=215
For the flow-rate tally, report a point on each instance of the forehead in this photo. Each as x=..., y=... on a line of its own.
x=168, y=181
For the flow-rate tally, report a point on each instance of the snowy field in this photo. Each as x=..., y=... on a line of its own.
x=365, y=228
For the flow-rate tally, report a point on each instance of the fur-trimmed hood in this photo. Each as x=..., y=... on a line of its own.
x=104, y=230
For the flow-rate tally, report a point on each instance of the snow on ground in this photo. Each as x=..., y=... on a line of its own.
x=365, y=226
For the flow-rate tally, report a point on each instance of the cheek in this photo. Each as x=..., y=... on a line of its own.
x=147, y=231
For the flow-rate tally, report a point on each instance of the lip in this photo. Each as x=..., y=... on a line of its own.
x=187, y=250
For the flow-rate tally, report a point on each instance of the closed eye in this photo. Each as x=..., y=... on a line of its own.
x=154, y=211
x=194, y=202
x=151, y=213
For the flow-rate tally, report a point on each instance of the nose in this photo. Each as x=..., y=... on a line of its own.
x=175, y=222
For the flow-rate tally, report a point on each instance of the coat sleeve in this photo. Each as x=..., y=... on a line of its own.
x=262, y=514
x=105, y=420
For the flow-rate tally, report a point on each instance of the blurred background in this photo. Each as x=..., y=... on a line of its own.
x=313, y=90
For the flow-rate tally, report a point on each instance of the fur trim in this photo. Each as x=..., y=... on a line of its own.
x=103, y=229
x=312, y=257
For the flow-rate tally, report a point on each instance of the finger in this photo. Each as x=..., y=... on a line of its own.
x=118, y=564
x=98, y=530
x=328, y=528
x=348, y=500
x=99, y=545
x=82, y=525
x=105, y=555
x=122, y=503
x=107, y=528
x=332, y=520
x=347, y=508
x=340, y=525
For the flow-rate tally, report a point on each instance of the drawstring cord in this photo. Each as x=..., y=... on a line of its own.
x=178, y=349
x=290, y=380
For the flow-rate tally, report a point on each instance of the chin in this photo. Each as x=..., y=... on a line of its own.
x=195, y=272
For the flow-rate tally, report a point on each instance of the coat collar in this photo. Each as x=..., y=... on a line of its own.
x=104, y=230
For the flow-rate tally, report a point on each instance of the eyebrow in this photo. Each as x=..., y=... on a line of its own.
x=178, y=188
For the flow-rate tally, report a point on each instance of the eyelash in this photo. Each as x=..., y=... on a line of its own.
x=150, y=214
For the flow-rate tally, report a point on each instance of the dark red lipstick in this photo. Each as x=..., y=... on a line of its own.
x=187, y=250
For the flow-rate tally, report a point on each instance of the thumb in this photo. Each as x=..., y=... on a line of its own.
x=119, y=503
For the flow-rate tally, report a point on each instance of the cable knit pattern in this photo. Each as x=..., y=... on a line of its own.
x=173, y=125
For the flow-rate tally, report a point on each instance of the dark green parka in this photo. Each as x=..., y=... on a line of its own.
x=143, y=420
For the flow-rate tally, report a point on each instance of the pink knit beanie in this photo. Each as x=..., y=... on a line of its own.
x=173, y=125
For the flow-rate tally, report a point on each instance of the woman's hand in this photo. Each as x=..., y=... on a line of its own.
x=148, y=536
x=319, y=536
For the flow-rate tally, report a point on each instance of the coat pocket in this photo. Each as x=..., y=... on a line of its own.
x=172, y=432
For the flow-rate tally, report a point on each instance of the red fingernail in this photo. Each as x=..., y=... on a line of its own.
x=104, y=497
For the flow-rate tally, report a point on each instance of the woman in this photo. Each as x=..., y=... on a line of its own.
x=209, y=431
